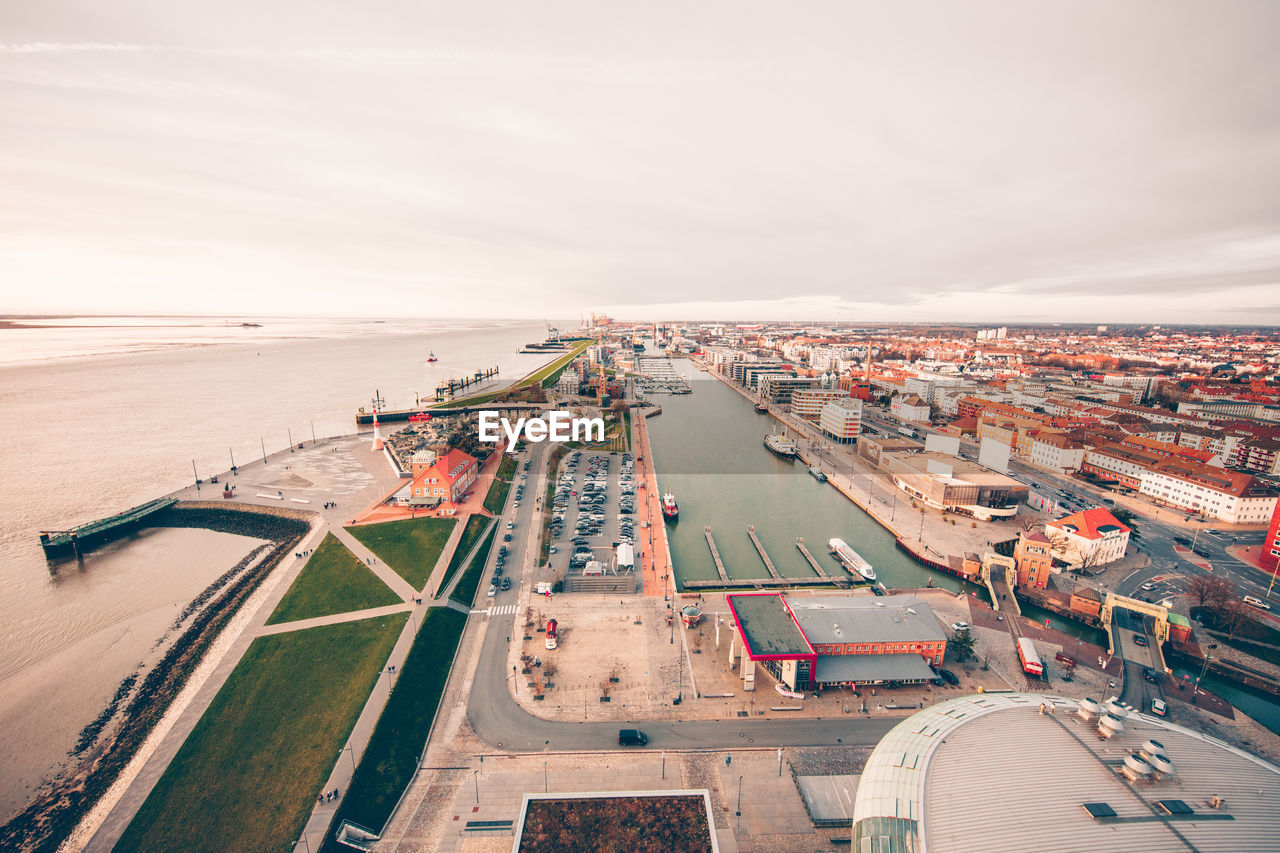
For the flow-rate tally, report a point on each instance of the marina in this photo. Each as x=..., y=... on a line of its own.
x=659, y=376
x=707, y=450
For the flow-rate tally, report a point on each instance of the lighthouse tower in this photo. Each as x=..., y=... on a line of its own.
x=378, y=403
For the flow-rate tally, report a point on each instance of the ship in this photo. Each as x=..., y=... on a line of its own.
x=431, y=356
x=780, y=445
x=670, y=509
x=762, y=408
x=851, y=559
x=816, y=473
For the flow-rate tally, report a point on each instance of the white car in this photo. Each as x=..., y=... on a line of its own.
x=493, y=590
x=1148, y=586
x=959, y=626
x=1159, y=708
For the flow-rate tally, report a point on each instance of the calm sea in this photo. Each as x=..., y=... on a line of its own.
x=102, y=414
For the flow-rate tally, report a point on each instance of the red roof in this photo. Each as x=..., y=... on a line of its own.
x=1090, y=523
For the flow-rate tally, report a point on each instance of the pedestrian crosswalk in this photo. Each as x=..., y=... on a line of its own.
x=502, y=610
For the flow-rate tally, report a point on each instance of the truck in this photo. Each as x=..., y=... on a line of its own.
x=552, y=636
x=907, y=431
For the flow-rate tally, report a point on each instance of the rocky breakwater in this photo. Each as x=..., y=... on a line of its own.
x=107, y=745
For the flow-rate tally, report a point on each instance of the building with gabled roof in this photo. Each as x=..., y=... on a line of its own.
x=1091, y=537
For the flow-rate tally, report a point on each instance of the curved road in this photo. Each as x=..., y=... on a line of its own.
x=498, y=720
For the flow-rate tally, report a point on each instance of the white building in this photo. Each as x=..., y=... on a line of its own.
x=909, y=407
x=1055, y=452
x=1228, y=496
x=808, y=403
x=1093, y=537
x=842, y=419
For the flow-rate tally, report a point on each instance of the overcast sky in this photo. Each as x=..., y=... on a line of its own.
x=1004, y=161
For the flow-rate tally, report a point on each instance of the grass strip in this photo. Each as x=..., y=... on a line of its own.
x=497, y=495
x=535, y=378
x=248, y=774
x=392, y=755
x=465, y=592
x=333, y=581
x=410, y=546
x=471, y=533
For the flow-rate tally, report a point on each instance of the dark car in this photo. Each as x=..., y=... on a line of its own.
x=948, y=676
x=1149, y=674
x=1139, y=640
x=506, y=584
x=1182, y=540
x=632, y=737
x=506, y=537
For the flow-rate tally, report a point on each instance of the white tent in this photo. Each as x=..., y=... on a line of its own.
x=626, y=557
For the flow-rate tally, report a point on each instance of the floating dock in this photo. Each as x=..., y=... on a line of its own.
x=764, y=555
x=715, y=554
x=762, y=583
x=77, y=540
x=446, y=389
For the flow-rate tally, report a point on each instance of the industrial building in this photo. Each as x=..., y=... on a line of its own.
x=806, y=642
x=1020, y=771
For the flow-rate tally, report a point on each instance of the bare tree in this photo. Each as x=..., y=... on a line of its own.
x=1233, y=615
x=1210, y=591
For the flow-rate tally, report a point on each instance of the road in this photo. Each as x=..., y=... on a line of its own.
x=496, y=718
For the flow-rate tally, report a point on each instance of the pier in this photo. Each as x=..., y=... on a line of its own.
x=817, y=567
x=445, y=390
x=715, y=555
x=77, y=540
x=761, y=583
x=764, y=555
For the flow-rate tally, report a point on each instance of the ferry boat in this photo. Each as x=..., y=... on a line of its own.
x=851, y=559
x=670, y=510
x=780, y=445
x=432, y=357
x=817, y=474
x=762, y=408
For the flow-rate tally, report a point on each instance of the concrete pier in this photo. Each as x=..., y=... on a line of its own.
x=715, y=554
x=764, y=555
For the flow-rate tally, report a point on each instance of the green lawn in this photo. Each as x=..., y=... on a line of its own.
x=333, y=581
x=497, y=496
x=465, y=592
x=248, y=774
x=392, y=755
x=475, y=526
x=410, y=547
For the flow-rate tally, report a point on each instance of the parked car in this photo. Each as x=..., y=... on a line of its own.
x=632, y=737
x=493, y=590
x=959, y=626
x=1159, y=708
x=948, y=676
x=1139, y=639
x=506, y=584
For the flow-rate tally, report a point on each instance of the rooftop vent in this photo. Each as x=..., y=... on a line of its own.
x=1115, y=709
x=1089, y=708
x=1135, y=767
x=1160, y=764
x=1151, y=747
x=1108, y=726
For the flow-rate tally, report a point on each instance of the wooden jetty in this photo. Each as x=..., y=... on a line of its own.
x=761, y=583
x=817, y=567
x=764, y=555
x=715, y=554
x=445, y=390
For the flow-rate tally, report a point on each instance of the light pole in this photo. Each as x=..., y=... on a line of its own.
x=739, y=804
x=475, y=774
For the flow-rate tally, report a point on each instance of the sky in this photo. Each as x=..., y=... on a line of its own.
x=839, y=161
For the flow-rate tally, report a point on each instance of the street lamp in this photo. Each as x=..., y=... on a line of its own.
x=475, y=774
x=739, y=803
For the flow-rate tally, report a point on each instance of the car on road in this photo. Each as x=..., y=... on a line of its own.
x=506, y=537
x=1159, y=708
x=1213, y=532
x=1182, y=540
x=511, y=525
x=1256, y=602
x=1149, y=674
x=1148, y=586
x=632, y=737
x=959, y=626
x=1139, y=640
x=506, y=584
x=493, y=590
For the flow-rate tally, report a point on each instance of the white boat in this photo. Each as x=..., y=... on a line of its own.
x=851, y=559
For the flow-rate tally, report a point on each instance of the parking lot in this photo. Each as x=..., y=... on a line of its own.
x=593, y=511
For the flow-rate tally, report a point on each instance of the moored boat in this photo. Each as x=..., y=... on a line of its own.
x=817, y=474
x=780, y=445
x=670, y=509
x=761, y=408
x=851, y=559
